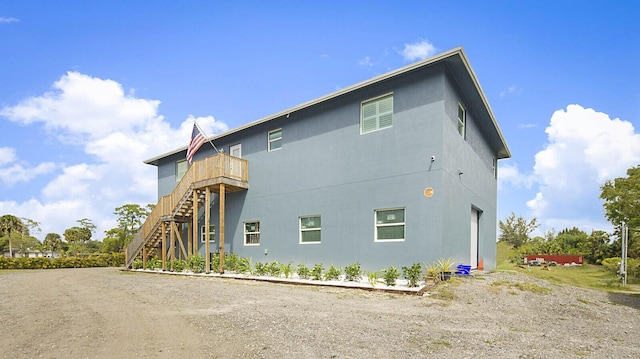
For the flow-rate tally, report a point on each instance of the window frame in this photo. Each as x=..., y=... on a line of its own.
x=212, y=234
x=377, y=100
x=245, y=233
x=462, y=122
x=314, y=229
x=377, y=225
x=270, y=141
x=178, y=177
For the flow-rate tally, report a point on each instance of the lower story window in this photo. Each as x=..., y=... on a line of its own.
x=390, y=224
x=310, y=229
x=252, y=233
x=212, y=233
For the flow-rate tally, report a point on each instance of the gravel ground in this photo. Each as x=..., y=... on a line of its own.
x=106, y=313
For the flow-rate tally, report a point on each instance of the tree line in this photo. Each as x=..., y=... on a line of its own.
x=16, y=234
x=621, y=204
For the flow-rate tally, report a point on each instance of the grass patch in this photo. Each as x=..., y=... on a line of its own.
x=521, y=330
x=444, y=294
x=442, y=343
x=522, y=286
x=585, y=276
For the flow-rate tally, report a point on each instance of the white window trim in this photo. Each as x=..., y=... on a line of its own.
x=464, y=121
x=202, y=234
x=244, y=236
x=376, y=225
x=300, y=229
x=270, y=141
x=185, y=172
x=362, y=114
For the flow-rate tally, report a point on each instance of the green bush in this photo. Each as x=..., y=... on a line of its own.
x=178, y=265
x=244, y=265
x=372, y=278
x=137, y=264
x=353, y=272
x=196, y=263
x=390, y=275
x=303, y=271
x=412, y=274
x=273, y=269
x=286, y=269
x=154, y=263
x=101, y=260
x=333, y=273
x=316, y=272
x=261, y=269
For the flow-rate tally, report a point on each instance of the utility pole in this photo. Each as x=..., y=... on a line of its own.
x=625, y=244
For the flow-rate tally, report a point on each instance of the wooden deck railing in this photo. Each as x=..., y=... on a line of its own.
x=220, y=165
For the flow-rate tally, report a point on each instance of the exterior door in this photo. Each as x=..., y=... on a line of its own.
x=235, y=151
x=474, y=238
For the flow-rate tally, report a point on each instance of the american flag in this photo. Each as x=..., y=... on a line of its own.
x=197, y=140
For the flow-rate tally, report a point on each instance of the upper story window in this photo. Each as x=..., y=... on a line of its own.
x=390, y=225
x=462, y=120
x=181, y=169
x=275, y=139
x=376, y=114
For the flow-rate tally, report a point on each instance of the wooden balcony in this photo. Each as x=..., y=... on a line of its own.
x=215, y=174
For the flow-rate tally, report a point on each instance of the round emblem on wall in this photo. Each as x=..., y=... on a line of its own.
x=428, y=192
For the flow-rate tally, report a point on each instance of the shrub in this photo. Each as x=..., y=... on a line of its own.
x=303, y=271
x=353, y=272
x=372, y=278
x=412, y=274
x=231, y=262
x=286, y=269
x=273, y=269
x=196, y=263
x=316, y=272
x=154, y=263
x=137, y=264
x=333, y=273
x=260, y=269
x=390, y=275
x=179, y=265
x=245, y=265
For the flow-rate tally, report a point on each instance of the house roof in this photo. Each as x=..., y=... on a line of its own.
x=458, y=65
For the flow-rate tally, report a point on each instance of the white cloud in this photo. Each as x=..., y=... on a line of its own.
x=509, y=174
x=419, y=50
x=513, y=89
x=365, y=61
x=116, y=130
x=584, y=149
x=8, y=20
x=7, y=155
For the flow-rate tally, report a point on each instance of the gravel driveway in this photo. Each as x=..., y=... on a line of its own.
x=106, y=313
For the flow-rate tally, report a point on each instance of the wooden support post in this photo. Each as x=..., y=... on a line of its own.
x=189, y=239
x=144, y=257
x=163, y=234
x=172, y=245
x=207, y=215
x=195, y=222
x=178, y=234
x=221, y=227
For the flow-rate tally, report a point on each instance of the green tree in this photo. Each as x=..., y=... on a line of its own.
x=52, y=242
x=114, y=240
x=130, y=218
x=10, y=224
x=572, y=241
x=621, y=204
x=516, y=230
x=77, y=235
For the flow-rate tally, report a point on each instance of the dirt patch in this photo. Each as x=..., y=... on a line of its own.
x=105, y=313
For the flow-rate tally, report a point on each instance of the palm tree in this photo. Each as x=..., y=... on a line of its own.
x=10, y=223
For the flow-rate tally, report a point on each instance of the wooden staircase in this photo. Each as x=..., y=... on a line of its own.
x=214, y=174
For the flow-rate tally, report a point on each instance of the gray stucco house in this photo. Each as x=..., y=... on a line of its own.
x=398, y=169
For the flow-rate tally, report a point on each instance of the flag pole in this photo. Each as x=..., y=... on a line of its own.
x=205, y=136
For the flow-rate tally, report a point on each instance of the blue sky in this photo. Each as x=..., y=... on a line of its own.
x=88, y=90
